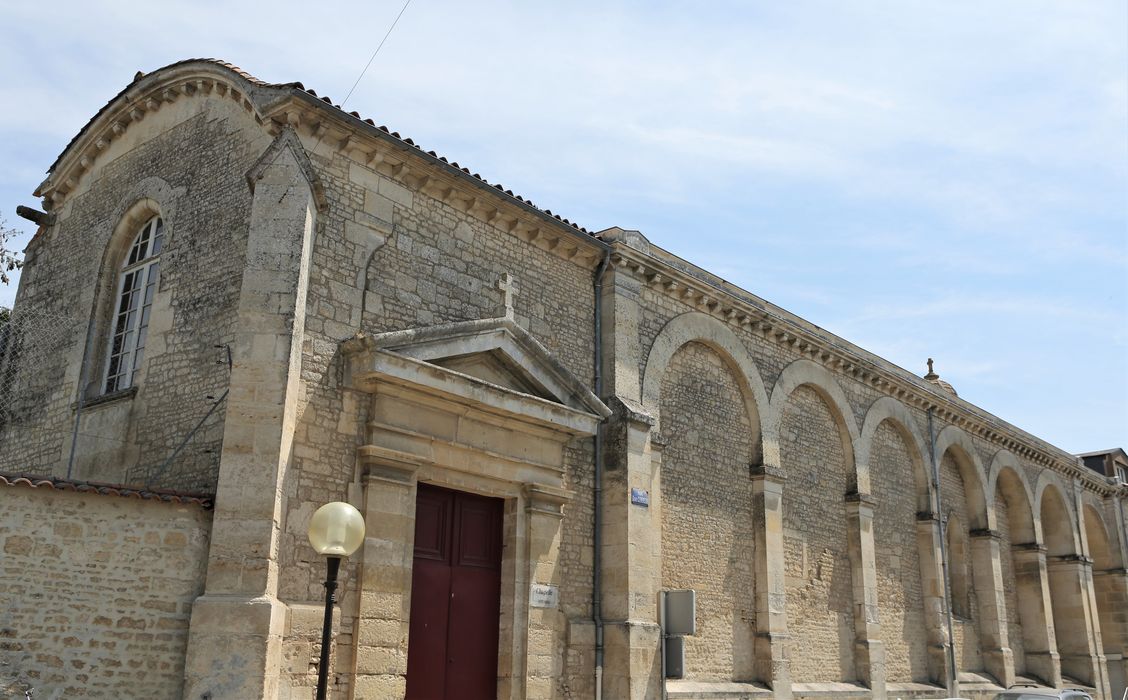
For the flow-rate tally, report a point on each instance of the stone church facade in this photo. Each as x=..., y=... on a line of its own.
x=404, y=335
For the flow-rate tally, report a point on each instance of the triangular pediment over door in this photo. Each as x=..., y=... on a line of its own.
x=492, y=363
x=476, y=410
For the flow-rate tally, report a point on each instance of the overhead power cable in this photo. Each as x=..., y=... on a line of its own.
x=366, y=67
x=313, y=151
x=373, y=56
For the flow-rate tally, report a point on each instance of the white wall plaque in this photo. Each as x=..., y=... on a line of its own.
x=544, y=596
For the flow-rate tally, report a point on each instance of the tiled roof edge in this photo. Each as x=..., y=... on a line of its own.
x=205, y=501
x=325, y=101
x=140, y=76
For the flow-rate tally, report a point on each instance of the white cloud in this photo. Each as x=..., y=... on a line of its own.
x=824, y=151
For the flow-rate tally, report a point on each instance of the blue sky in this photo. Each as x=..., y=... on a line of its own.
x=944, y=179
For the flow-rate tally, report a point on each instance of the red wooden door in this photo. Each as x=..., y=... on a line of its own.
x=455, y=596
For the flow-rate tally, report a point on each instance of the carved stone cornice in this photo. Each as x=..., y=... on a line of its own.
x=1069, y=560
x=663, y=272
x=1119, y=572
x=385, y=464
x=325, y=128
x=145, y=96
x=858, y=498
x=385, y=153
x=767, y=472
x=984, y=533
x=546, y=500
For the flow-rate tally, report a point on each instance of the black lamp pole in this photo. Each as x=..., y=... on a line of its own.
x=327, y=626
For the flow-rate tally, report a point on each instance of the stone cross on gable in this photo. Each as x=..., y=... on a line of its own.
x=508, y=287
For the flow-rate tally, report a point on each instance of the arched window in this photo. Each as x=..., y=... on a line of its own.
x=137, y=283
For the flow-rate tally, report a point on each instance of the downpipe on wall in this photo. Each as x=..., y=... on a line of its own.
x=597, y=489
x=950, y=666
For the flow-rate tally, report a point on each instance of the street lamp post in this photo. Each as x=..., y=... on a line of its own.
x=335, y=531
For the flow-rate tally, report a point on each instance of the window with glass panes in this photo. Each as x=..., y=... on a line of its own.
x=140, y=273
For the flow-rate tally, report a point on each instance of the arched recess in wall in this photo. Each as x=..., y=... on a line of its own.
x=951, y=440
x=1020, y=560
x=149, y=198
x=695, y=326
x=805, y=373
x=1065, y=570
x=891, y=466
x=1056, y=514
x=963, y=507
x=811, y=423
x=890, y=411
x=702, y=384
x=1109, y=587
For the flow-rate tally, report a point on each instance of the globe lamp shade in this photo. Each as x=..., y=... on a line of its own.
x=336, y=530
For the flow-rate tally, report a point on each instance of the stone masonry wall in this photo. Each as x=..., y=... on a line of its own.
x=1010, y=591
x=98, y=595
x=965, y=620
x=387, y=257
x=707, y=538
x=820, y=606
x=193, y=154
x=899, y=597
x=575, y=557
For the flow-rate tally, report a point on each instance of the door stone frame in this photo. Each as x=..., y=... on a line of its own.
x=430, y=424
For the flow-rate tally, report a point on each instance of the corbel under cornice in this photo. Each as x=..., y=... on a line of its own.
x=697, y=289
x=141, y=99
x=361, y=142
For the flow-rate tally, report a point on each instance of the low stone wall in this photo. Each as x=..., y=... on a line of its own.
x=96, y=589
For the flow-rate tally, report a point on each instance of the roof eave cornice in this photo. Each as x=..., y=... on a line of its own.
x=146, y=95
x=371, y=146
x=665, y=272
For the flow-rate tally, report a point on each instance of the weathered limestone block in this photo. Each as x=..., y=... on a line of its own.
x=868, y=653
x=631, y=556
x=97, y=595
x=243, y=572
x=383, y=620
x=988, y=580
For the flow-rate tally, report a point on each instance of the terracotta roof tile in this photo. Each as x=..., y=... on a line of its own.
x=141, y=76
x=297, y=86
x=408, y=141
x=59, y=484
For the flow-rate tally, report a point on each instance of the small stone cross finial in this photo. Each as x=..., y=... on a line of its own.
x=930, y=365
x=508, y=287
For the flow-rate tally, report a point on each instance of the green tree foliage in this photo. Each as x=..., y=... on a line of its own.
x=9, y=260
